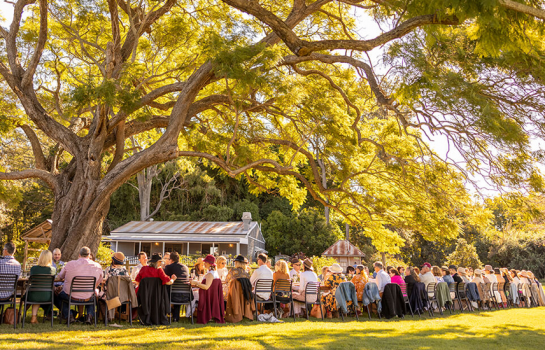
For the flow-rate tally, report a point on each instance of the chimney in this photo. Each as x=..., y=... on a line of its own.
x=347, y=232
x=246, y=219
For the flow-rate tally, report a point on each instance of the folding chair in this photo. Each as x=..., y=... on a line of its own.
x=81, y=284
x=403, y=287
x=179, y=288
x=264, y=286
x=462, y=296
x=430, y=291
x=39, y=283
x=283, y=293
x=8, y=283
x=312, y=288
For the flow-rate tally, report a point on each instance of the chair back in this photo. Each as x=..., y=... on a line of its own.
x=181, y=287
x=431, y=287
x=403, y=287
x=461, y=288
x=83, y=284
x=40, y=283
x=265, y=286
x=312, y=288
x=8, y=283
x=281, y=286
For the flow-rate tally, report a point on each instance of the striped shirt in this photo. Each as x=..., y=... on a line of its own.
x=8, y=266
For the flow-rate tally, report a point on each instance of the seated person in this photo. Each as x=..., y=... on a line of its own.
x=181, y=271
x=43, y=267
x=307, y=276
x=395, y=277
x=328, y=300
x=360, y=279
x=84, y=266
x=154, y=270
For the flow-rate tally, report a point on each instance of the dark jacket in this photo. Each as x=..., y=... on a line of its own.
x=472, y=292
x=153, y=303
x=410, y=284
x=415, y=298
x=180, y=270
x=393, y=303
x=246, y=286
x=457, y=278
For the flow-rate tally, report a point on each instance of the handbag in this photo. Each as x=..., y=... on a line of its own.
x=114, y=302
x=8, y=316
x=317, y=311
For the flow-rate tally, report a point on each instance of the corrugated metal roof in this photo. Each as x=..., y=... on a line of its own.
x=183, y=227
x=343, y=248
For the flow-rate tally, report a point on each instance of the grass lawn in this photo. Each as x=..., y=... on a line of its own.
x=504, y=329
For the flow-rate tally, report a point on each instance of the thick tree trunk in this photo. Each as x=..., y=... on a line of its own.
x=79, y=212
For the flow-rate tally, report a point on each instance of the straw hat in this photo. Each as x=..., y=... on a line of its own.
x=488, y=268
x=478, y=271
x=461, y=270
x=336, y=268
x=308, y=263
x=119, y=256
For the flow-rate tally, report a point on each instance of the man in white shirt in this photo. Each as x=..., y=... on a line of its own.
x=142, y=261
x=262, y=273
x=426, y=276
x=295, y=268
x=382, y=277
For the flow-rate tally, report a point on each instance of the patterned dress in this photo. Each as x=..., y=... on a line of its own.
x=333, y=282
x=234, y=274
x=359, y=281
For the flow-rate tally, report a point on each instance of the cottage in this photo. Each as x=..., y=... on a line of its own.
x=188, y=237
x=345, y=253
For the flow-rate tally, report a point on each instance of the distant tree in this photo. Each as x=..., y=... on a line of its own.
x=465, y=255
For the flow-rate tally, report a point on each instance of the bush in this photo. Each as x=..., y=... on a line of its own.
x=318, y=262
x=464, y=255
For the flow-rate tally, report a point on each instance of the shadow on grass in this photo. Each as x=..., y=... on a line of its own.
x=459, y=331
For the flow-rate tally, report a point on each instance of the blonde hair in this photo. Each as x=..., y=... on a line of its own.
x=281, y=266
x=239, y=264
x=221, y=258
x=45, y=259
x=436, y=271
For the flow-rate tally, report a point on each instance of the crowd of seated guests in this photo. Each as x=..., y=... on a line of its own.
x=226, y=294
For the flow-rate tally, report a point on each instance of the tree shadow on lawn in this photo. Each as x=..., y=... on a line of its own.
x=351, y=335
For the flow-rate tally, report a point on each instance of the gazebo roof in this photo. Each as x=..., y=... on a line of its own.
x=343, y=248
x=40, y=233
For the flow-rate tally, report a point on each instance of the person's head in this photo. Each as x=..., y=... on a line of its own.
x=478, y=273
x=325, y=270
x=401, y=270
x=45, y=259
x=393, y=272
x=143, y=258
x=166, y=259
x=425, y=268
x=85, y=252
x=296, y=264
x=453, y=269
x=118, y=258
x=269, y=263
x=408, y=271
x=470, y=270
x=378, y=266
x=221, y=262
x=360, y=270
x=336, y=268
x=57, y=254
x=350, y=270
x=174, y=257
x=497, y=271
x=445, y=271
x=281, y=266
x=488, y=269
x=262, y=259
x=436, y=271
x=514, y=273
x=9, y=249
x=413, y=272
x=240, y=262
x=155, y=260
x=461, y=271
x=209, y=262
x=417, y=270
x=307, y=265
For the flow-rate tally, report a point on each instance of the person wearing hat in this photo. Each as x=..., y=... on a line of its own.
x=426, y=276
x=154, y=270
x=307, y=276
x=463, y=274
x=210, y=265
x=489, y=273
x=333, y=280
x=116, y=268
x=238, y=271
x=295, y=268
x=446, y=275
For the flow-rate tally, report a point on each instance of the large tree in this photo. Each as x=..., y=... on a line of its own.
x=244, y=84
